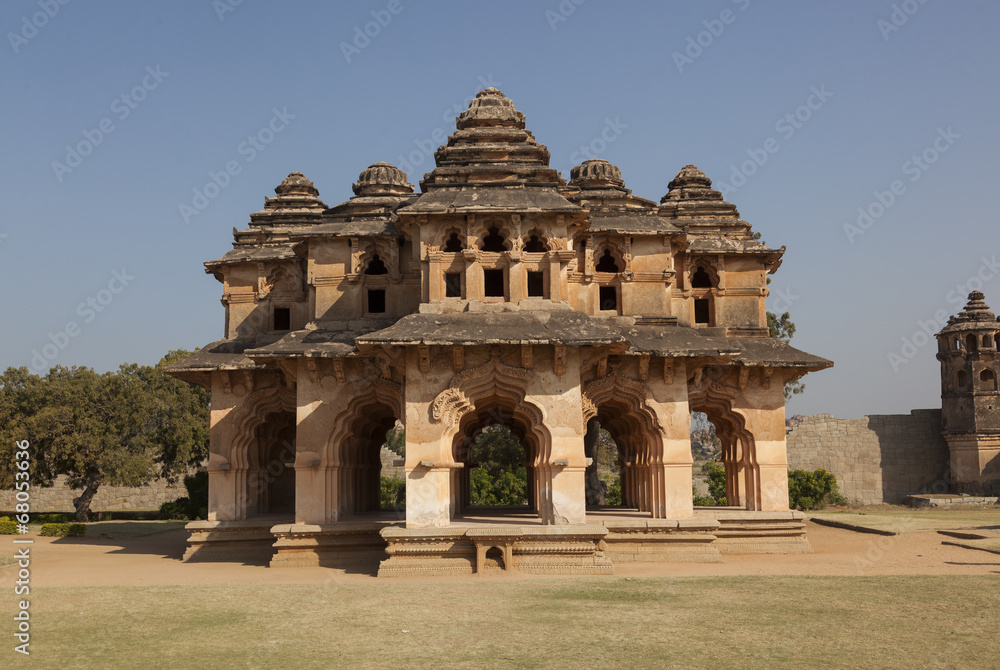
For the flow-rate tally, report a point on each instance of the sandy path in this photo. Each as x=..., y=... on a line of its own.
x=155, y=559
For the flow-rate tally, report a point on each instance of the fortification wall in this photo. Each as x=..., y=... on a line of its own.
x=876, y=459
x=59, y=497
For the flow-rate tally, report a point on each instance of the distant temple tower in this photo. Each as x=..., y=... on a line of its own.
x=970, y=403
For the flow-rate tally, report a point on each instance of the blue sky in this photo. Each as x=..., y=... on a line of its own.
x=802, y=112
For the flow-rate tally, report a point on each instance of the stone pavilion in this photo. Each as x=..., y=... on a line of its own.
x=497, y=292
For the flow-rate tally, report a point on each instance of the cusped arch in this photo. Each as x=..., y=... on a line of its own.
x=251, y=414
x=617, y=248
x=372, y=391
x=492, y=382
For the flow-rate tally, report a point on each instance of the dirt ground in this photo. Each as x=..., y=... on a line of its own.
x=156, y=559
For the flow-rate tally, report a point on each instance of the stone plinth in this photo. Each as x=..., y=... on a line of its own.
x=237, y=541
x=576, y=549
x=662, y=540
x=345, y=546
x=742, y=532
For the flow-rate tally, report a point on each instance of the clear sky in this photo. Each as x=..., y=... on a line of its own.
x=115, y=113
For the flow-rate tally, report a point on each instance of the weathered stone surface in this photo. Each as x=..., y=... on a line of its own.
x=497, y=293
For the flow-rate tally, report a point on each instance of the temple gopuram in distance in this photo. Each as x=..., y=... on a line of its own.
x=497, y=293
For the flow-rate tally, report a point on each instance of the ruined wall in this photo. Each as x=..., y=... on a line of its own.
x=876, y=459
x=59, y=497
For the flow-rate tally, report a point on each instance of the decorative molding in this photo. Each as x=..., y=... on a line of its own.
x=492, y=378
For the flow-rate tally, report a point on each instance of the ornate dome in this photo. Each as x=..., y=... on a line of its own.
x=491, y=108
x=382, y=179
x=296, y=184
x=596, y=173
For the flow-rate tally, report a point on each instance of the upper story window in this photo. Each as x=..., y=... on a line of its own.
x=282, y=318
x=701, y=279
x=494, y=241
x=534, y=245
x=970, y=343
x=607, y=263
x=453, y=244
x=376, y=267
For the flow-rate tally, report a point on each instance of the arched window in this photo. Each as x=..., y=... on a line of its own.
x=996, y=340
x=453, y=244
x=970, y=343
x=962, y=379
x=701, y=279
x=607, y=262
x=376, y=266
x=494, y=241
x=989, y=380
x=534, y=245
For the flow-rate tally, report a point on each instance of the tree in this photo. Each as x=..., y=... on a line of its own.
x=783, y=328
x=121, y=428
x=498, y=476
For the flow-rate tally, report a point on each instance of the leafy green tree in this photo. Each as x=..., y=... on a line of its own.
x=499, y=476
x=123, y=428
x=716, y=482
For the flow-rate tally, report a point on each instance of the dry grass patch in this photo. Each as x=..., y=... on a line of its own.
x=724, y=622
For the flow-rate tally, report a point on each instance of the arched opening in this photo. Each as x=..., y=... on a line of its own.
x=498, y=455
x=987, y=342
x=989, y=380
x=737, y=454
x=494, y=241
x=534, y=245
x=970, y=343
x=376, y=266
x=996, y=340
x=453, y=244
x=271, y=473
x=494, y=559
x=709, y=475
x=701, y=279
x=604, y=474
x=962, y=379
x=607, y=263
x=361, y=461
x=625, y=441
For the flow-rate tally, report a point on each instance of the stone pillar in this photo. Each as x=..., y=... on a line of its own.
x=671, y=472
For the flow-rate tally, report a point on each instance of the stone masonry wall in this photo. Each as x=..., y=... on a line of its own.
x=59, y=497
x=877, y=459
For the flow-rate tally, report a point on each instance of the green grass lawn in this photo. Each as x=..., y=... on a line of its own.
x=909, y=520
x=719, y=622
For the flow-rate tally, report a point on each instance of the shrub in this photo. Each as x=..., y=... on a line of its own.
x=614, y=490
x=716, y=482
x=53, y=517
x=701, y=501
x=192, y=506
x=813, y=490
x=393, y=494
x=7, y=526
x=63, y=530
